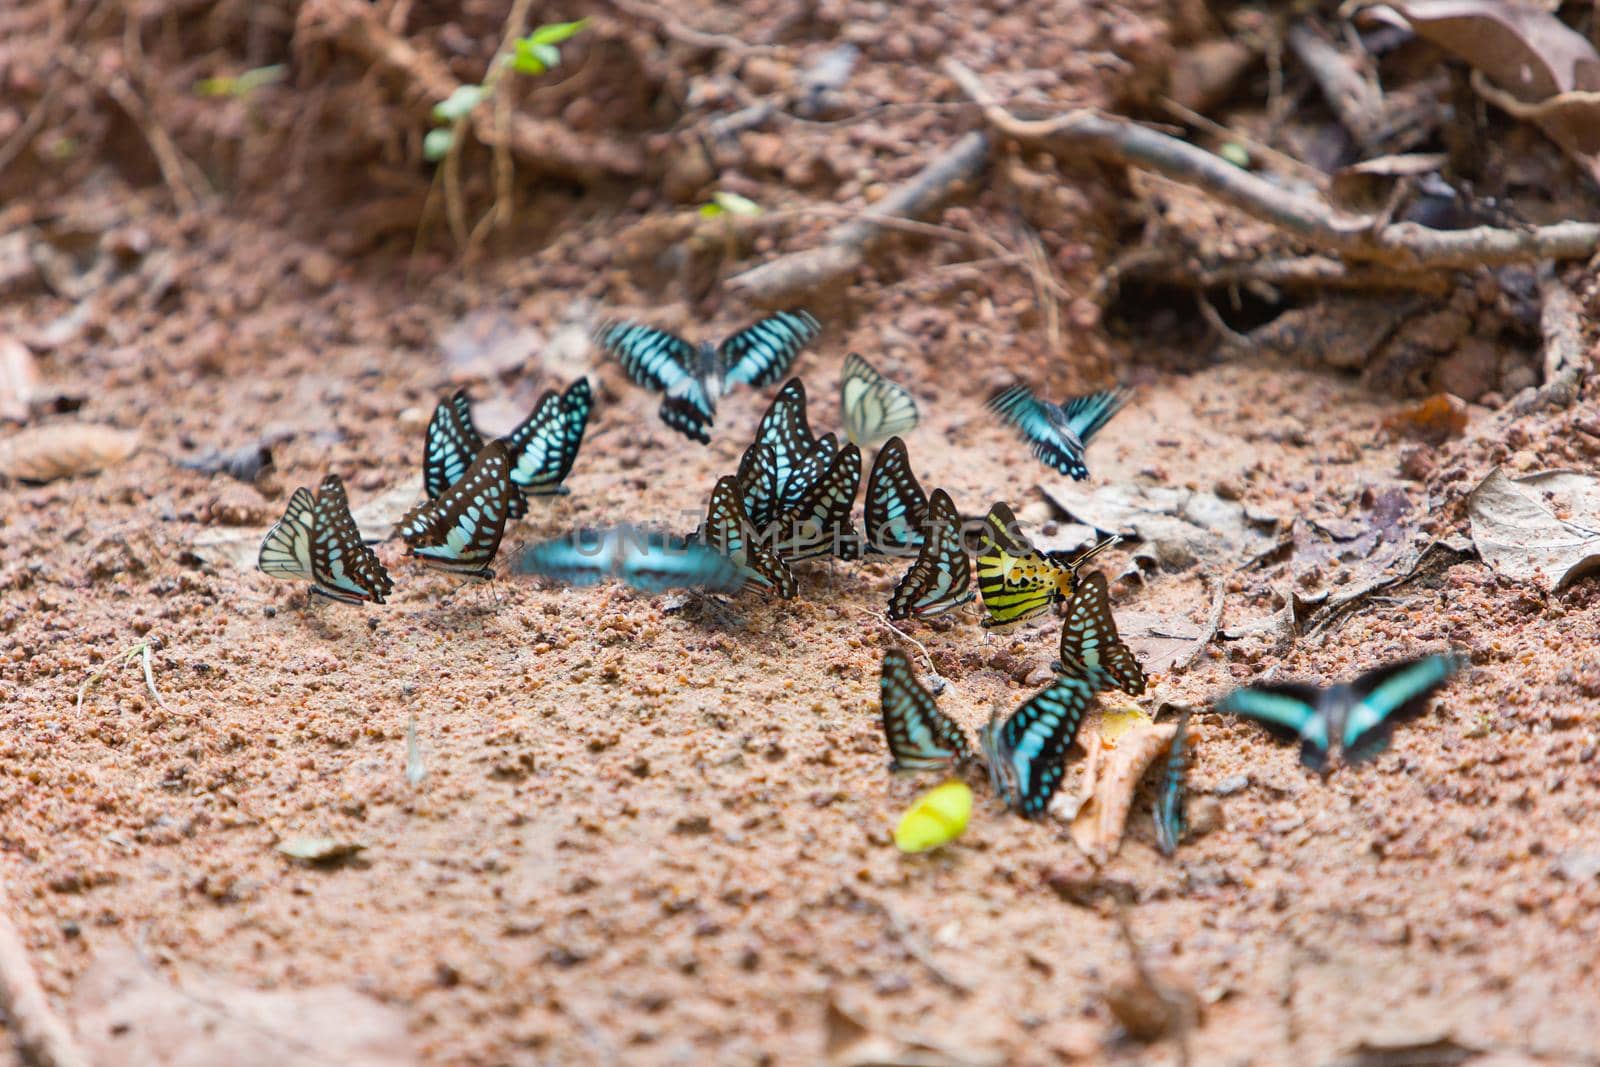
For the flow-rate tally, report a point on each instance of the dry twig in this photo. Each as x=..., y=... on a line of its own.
x=1404, y=245
x=42, y=1038
x=1209, y=633
x=685, y=34
x=1565, y=358
x=847, y=246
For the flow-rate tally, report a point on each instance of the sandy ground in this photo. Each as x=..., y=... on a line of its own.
x=650, y=837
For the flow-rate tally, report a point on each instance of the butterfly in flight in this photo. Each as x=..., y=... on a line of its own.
x=1091, y=649
x=871, y=406
x=1025, y=749
x=1018, y=581
x=784, y=458
x=819, y=523
x=1171, y=818
x=648, y=560
x=318, y=541
x=693, y=378
x=542, y=449
x=896, y=512
x=940, y=579
x=460, y=531
x=1058, y=433
x=1354, y=719
x=728, y=530
x=920, y=736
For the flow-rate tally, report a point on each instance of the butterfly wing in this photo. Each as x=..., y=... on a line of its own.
x=1016, y=581
x=871, y=406
x=584, y=557
x=820, y=524
x=1290, y=711
x=786, y=432
x=460, y=532
x=1170, y=815
x=1026, y=749
x=543, y=448
x=762, y=352
x=286, y=550
x=453, y=442
x=653, y=563
x=920, y=736
x=727, y=530
x=343, y=568
x=805, y=475
x=1091, y=648
x=1019, y=408
x=1389, y=696
x=758, y=485
x=941, y=578
x=896, y=510
x=665, y=363
x=1084, y=415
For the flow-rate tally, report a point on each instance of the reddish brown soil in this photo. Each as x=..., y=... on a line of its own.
x=647, y=838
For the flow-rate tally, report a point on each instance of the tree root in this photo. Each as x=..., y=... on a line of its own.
x=847, y=245
x=1405, y=246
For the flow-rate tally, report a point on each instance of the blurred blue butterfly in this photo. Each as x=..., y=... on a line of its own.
x=648, y=560
x=1170, y=816
x=693, y=378
x=1058, y=433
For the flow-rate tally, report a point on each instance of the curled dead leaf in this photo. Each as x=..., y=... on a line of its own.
x=1098, y=827
x=63, y=450
x=1542, y=528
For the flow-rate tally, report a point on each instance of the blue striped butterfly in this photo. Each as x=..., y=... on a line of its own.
x=543, y=449
x=1058, y=433
x=693, y=378
x=317, y=541
x=896, y=512
x=1025, y=750
x=871, y=406
x=920, y=736
x=1171, y=818
x=940, y=579
x=819, y=524
x=1353, y=719
x=728, y=530
x=782, y=446
x=1016, y=580
x=648, y=560
x=460, y=532
x=1091, y=649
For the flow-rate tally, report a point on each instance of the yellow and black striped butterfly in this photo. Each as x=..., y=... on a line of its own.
x=1018, y=581
x=1058, y=433
x=819, y=524
x=871, y=406
x=940, y=579
x=920, y=736
x=896, y=510
x=694, y=377
x=1090, y=646
x=728, y=530
x=317, y=541
x=460, y=532
x=1025, y=749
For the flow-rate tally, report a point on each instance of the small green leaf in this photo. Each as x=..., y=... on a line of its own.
x=556, y=32
x=215, y=87
x=710, y=211
x=243, y=85
x=734, y=204
x=524, y=60
x=548, y=54
x=436, y=145
x=458, y=104
x=1235, y=153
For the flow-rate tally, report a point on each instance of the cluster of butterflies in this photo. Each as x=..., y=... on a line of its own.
x=473, y=489
x=1024, y=752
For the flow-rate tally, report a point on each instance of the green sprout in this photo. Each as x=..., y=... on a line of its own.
x=537, y=52
x=533, y=54
x=243, y=85
x=726, y=203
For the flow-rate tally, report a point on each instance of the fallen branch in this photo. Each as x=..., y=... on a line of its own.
x=686, y=34
x=847, y=246
x=42, y=1039
x=1400, y=244
x=1565, y=358
x=1209, y=633
x=1290, y=272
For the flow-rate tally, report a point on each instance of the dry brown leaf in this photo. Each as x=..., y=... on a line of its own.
x=64, y=449
x=1434, y=420
x=1542, y=528
x=1097, y=829
x=19, y=380
x=129, y=1015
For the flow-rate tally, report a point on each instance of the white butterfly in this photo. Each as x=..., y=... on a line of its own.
x=873, y=408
